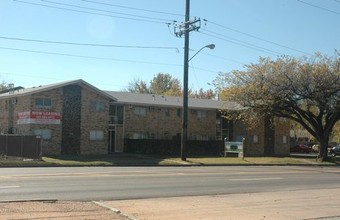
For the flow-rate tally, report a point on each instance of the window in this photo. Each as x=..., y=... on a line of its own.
x=97, y=106
x=140, y=111
x=139, y=136
x=199, y=137
x=116, y=113
x=284, y=139
x=44, y=133
x=202, y=114
x=167, y=112
x=179, y=112
x=255, y=139
x=96, y=135
x=43, y=103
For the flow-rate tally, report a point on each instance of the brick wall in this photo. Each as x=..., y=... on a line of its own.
x=94, y=119
x=166, y=123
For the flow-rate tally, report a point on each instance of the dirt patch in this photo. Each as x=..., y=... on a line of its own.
x=56, y=210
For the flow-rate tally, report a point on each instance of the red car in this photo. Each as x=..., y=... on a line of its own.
x=301, y=148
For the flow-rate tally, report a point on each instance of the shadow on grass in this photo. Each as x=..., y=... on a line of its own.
x=117, y=159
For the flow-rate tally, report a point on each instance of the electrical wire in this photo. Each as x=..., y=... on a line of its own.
x=100, y=58
x=223, y=58
x=244, y=42
x=241, y=44
x=133, y=8
x=316, y=6
x=106, y=11
x=88, y=57
x=256, y=37
x=88, y=44
x=51, y=78
x=87, y=12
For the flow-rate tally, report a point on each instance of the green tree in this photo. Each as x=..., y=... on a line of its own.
x=138, y=86
x=306, y=91
x=165, y=84
x=201, y=94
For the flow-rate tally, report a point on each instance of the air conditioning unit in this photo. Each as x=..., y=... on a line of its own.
x=14, y=101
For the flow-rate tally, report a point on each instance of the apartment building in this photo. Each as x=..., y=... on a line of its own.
x=75, y=117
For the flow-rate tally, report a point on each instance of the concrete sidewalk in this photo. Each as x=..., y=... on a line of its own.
x=66, y=210
x=283, y=205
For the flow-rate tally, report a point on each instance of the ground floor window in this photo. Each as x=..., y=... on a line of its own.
x=44, y=133
x=96, y=135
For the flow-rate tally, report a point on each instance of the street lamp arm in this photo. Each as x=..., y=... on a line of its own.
x=210, y=46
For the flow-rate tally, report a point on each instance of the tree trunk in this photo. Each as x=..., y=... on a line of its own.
x=323, y=154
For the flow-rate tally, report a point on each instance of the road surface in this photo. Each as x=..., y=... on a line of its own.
x=120, y=183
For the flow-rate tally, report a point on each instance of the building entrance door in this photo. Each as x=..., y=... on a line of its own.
x=116, y=140
x=112, y=140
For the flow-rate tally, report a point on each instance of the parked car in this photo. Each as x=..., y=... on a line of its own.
x=334, y=151
x=315, y=148
x=301, y=148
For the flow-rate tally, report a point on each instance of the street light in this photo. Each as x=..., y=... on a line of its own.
x=185, y=94
x=210, y=46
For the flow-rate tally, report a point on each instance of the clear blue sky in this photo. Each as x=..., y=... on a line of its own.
x=242, y=30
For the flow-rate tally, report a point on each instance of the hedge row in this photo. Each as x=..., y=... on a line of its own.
x=173, y=147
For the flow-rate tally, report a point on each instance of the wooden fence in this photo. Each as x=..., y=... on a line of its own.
x=26, y=146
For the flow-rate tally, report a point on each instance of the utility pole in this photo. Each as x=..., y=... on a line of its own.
x=180, y=30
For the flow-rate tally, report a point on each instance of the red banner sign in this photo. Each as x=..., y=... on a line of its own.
x=35, y=117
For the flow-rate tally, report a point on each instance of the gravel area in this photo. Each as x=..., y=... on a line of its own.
x=56, y=210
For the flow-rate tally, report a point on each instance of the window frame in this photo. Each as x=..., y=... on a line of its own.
x=140, y=110
x=96, y=135
x=46, y=134
x=45, y=102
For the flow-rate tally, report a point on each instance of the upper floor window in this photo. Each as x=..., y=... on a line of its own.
x=116, y=113
x=179, y=112
x=202, y=114
x=140, y=111
x=97, y=106
x=167, y=112
x=43, y=103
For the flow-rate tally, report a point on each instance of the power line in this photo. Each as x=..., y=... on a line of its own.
x=87, y=57
x=256, y=37
x=87, y=44
x=244, y=42
x=316, y=6
x=106, y=11
x=222, y=37
x=133, y=8
x=99, y=58
x=87, y=12
x=223, y=58
x=44, y=77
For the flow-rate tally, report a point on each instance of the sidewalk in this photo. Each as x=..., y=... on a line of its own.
x=302, y=205
x=69, y=210
x=283, y=205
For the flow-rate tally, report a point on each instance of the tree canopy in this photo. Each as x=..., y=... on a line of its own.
x=306, y=91
x=165, y=84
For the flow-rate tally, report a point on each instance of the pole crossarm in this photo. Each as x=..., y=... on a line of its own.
x=191, y=25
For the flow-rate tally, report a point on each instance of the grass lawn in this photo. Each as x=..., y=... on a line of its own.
x=143, y=160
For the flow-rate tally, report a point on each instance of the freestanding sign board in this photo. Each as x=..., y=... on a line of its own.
x=233, y=147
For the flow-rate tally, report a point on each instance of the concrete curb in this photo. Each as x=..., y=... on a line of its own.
x=114, y=210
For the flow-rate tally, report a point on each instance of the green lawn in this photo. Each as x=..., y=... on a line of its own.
x=142, y=160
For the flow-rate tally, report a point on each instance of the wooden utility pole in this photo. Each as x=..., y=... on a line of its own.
x=184, y=29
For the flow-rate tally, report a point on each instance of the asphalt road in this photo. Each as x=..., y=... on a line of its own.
x=119, y=183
